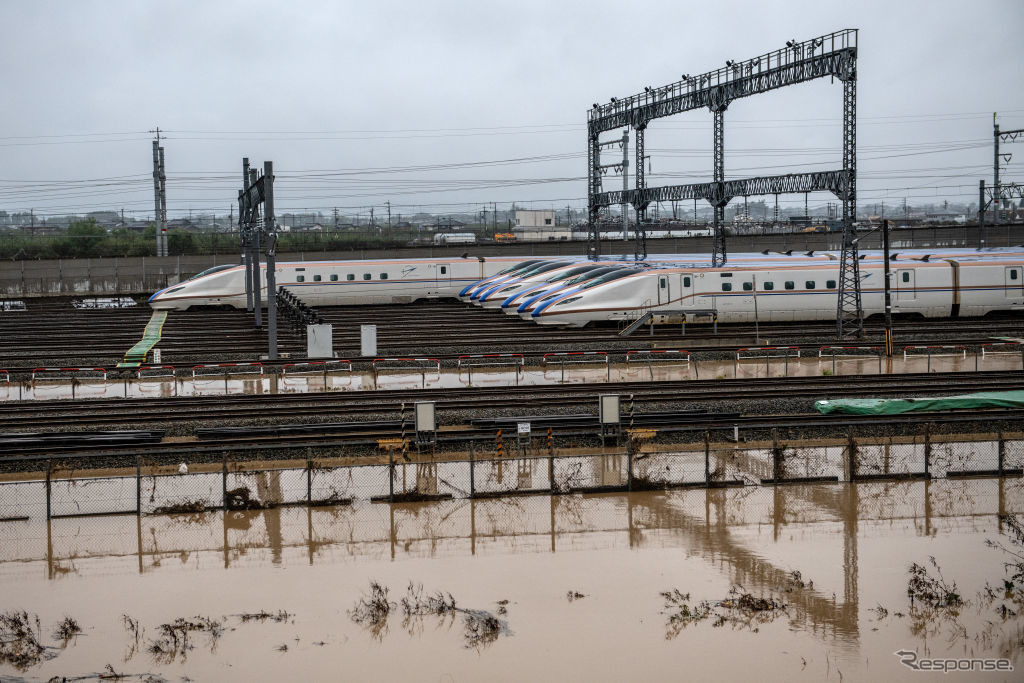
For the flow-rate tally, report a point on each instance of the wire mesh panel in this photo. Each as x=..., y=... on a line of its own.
x=169, y=493
x=590, y=472
x=519, y=475
x=890, y=459
x=1013, y=454
x=811, y=462
x=339, y=485
x=726, y=467
x=963, y=457
x=966, y=498
x=265, y=488
x=662, y=470
x=92, y=496
x=22, y=500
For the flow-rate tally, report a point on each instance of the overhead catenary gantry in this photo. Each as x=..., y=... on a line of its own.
x=833, y=55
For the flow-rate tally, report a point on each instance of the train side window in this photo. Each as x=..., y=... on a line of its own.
x=1013, y=274
x=789, y=284
x=686, y=281
x=334, y=277
x=830, y=284
x=662, y=283
x=350, y=277
x=300, y=278
x=769, y=286
x=747, y=286
x=906, y=276
x=317, y=278
x=383, y=276
x=444, y=270
x=810, y=284
x=367, y=276
x=726, y=286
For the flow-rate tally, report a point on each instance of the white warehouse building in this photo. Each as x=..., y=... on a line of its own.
x=539, y=224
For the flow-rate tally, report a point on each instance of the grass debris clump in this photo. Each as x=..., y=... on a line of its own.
x=67, y=629
x=372, y=611
x=19, y=640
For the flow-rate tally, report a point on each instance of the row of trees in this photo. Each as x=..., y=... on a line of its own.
x=86, y=239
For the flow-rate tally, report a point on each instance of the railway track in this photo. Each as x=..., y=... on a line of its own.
x=370, y=405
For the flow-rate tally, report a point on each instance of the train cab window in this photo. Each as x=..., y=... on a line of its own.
x=367, y=276
x=334, y=277
x=383, y=276
x=726, y=286
x=444, y=270
x=686, y=281
x=317, y=278
x=789, y=284
x=300, y=278
x=350, y=277
x=769, y=286
x=906, y=276
x=747, y=286
x=830, y=284
x=810, y=284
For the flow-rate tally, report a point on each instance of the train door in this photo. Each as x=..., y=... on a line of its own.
x=686, y=290
x=1014, y=282
x=442, y=279
x=905, y=284
x=664, y=291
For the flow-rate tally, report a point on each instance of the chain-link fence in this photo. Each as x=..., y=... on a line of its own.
x=63, y=489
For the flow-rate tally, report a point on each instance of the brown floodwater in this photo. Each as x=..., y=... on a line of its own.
x=852, y=545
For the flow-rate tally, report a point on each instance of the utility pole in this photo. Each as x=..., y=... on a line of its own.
x=981, y=214
x=159, y=196
x=389, y=214
x=243, y=233
x=494, y=213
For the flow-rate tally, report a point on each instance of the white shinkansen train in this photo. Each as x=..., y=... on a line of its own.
x=934, y=284
x=336, y=283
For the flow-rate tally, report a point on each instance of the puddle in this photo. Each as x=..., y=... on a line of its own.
x=517, y=560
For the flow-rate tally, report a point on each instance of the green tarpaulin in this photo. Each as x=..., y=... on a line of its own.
x=892, y=406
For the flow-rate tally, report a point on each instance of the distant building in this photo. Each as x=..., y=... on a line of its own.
x=532, y=225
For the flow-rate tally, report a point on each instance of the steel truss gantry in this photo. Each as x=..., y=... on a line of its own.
x=833, y=55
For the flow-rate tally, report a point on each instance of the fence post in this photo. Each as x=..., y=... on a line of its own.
x=309, y=481
x=707, y=458
x=1001, y=450
x=851, y=458
x=224, y=480
x=777, y=466
x=927, y=449
x=138, y=485
x=49, y=471
x=472, y=472
x=391, y=474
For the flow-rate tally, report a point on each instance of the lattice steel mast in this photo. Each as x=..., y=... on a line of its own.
x=833, y=55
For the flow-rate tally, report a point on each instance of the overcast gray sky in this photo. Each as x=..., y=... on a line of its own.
x=490, y=97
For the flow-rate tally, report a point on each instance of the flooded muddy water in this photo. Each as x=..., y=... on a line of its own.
x=545, y=587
